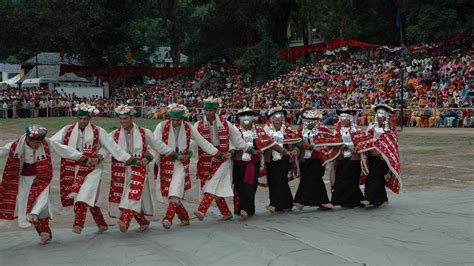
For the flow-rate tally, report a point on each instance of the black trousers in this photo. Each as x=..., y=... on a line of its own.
x=244, y=198
x=311, y=190
x=280, y=193
x=347, y=192
x=375, y=191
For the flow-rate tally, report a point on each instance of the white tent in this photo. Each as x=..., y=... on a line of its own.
x=12, y=81
x=37, y=82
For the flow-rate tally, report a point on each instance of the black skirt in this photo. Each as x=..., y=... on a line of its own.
x=347, y=192
x=311, y=190
x=280, y=193
x=244, y=198
x=375, y=191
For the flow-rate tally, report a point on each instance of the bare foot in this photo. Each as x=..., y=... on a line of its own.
x=366, y=203
x=166, y=224
x=383, y=204
x=271, y=209
x=244, y=215
x=45, y=238
x=226, y=217
x=122, y=226
x=102, y=229
x=328, y=206
x=184, y=223
x=199, y=215
x=141, y=229
x=77, y=229
x=299, y=206
x=286, y=210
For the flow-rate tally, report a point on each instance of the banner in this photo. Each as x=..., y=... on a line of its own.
x=113, y=73
x=293, y=53
x=9, y=68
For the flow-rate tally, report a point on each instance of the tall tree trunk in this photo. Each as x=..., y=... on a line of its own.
x=175, y=50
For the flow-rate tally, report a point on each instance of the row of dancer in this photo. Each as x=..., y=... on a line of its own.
x=232, y=161
x=83, y=146
x=353, y=157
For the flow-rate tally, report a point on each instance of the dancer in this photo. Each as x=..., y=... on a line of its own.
x=79, y=184
x=130, y=190
x=24, y=190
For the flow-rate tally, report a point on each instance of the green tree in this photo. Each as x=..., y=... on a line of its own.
x=435, y=20
x=262, y=60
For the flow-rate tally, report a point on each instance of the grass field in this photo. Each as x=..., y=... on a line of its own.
x=432, y=159
x=56, y=123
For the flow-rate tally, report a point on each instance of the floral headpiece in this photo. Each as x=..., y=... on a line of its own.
x=85, y=109
x=124, y=109
x=36, y=132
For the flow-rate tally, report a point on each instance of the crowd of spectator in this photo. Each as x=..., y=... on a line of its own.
x=438, y=89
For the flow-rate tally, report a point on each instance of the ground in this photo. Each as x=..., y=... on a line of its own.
x=431, y=222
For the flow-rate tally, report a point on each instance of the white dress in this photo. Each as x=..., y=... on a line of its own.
x=177, y=142
x=220, y=183
x=89, y=190
x=41, y=206
x=146, y=202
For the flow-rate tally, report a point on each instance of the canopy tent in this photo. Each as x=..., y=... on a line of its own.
x=12, y=81
x=37, y=82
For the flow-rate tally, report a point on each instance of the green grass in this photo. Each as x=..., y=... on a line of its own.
x=56, y=123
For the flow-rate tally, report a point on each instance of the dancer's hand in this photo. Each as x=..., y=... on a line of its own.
x=227, y=155
x=142, y=162
x=182, y=158
x=93, y=162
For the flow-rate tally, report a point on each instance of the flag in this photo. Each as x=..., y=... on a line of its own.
x=288, y=31
x=398, y=18
x=61, y=54
x=342, y=21
x=128, y=56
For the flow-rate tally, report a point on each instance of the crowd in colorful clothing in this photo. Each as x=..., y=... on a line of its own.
x=233, y=160
x=438, y=89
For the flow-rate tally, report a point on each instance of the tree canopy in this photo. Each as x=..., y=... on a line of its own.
x=100, y=32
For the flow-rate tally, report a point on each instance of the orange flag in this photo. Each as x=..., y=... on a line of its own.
x=128, y=56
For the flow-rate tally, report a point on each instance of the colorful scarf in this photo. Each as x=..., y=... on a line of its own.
x=207, y=164
x=324, y=135
x=167, y=162
x=69, y=182
x=387, y=145
x=11, y=174
x=119, y=169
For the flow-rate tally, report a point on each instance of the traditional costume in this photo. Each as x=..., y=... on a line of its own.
x=130, y=193
x=346, y=191
x=24, y=190
x=311, y=189
x=215, y=173
x=279, y=164
x=79, y=184
x=247, y=165
x=173, y=173
x=381, y=146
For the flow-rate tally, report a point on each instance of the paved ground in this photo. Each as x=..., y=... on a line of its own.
x=428, y=228
x=432, y=223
